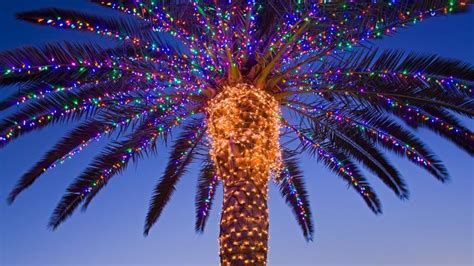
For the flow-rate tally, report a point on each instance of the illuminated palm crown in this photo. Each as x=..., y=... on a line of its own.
x=340, y=100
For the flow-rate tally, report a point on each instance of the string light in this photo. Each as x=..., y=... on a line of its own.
x=226, y=65
x=243, y=127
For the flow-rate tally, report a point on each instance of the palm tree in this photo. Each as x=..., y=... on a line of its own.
x=249, y=85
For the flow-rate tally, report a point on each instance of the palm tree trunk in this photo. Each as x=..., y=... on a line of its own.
x=244, y=223
x=243, y=124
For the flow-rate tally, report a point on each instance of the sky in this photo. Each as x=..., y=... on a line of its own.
x=433, y=227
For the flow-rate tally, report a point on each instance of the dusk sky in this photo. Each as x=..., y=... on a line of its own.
x=433, y=227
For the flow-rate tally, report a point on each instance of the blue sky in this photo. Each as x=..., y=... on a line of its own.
x=434, y=227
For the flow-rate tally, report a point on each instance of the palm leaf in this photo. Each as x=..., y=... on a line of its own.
x=292, y=189
x=380, y=18
x=109, y=163
x=122, y=28
x=64, y=106
x=341, y=165
x=207, y=186
x=387, y=133
x=56, y=63
x=80, y=135
x=353, y=145
x=71, y=144
x=182, y=154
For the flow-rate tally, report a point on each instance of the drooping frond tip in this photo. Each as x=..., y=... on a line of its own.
x=292, y=189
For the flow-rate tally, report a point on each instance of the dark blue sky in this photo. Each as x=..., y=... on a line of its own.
x=434, y=227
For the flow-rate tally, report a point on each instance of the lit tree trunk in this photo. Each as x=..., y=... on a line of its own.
x=243, y=127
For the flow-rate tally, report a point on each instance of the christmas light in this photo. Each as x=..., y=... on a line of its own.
x=247, y=79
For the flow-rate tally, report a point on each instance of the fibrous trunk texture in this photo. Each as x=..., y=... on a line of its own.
x=243, y=124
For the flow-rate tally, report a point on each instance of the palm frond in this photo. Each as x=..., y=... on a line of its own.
x=112, y=161
x=356, y=147
x=292, y=189
x=40, y=114
x=378, y=18
x=74, y=142
x=65, y=106
x=207, y=185
x=56, y=63
x=79, y=136
x=182, y=154
x=161, y=14
x=117, y=27
x=341, y=165
x=415, y=117
x=386, y=132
